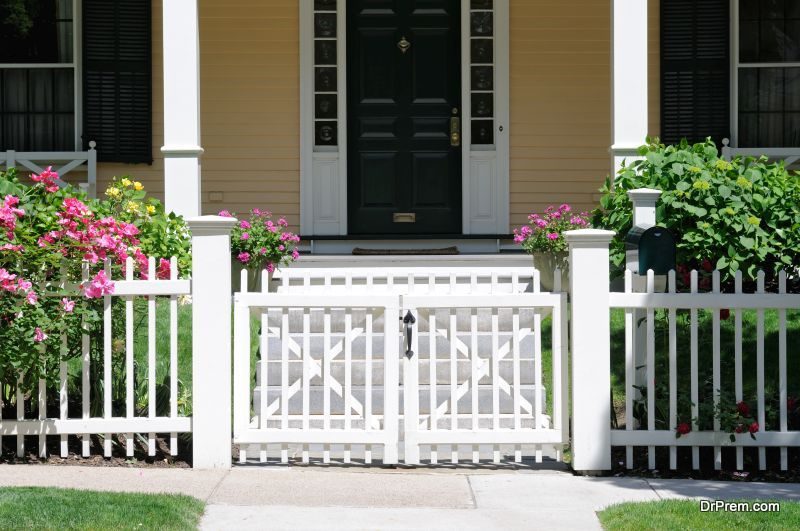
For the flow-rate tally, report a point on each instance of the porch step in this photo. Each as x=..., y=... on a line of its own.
x=358, y=371
x=317, y=395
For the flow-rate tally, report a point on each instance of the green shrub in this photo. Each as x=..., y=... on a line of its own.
x=738, y=215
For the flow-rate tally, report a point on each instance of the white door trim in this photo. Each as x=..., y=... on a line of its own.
x=485, y=169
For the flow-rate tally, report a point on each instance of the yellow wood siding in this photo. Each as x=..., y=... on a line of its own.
x=561, y=101
x=560, y=104
x=249, y=108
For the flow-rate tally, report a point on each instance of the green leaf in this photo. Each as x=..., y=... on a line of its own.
x=724, y=192
x=747, y=243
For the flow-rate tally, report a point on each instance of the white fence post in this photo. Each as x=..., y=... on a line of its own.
x=211, y=341
x=591, y=349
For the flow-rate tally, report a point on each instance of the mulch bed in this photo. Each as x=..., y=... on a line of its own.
x=162, y=459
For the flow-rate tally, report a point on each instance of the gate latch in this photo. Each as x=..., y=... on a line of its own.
x=409, y=321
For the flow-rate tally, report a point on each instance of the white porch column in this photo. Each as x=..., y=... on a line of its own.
x=629, y=78
x=182, y=149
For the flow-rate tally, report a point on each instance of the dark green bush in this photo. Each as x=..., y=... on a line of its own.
x=738, y=215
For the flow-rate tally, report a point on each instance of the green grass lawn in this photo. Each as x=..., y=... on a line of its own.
x=47, y=508
x=705, y=356
x=681, y=515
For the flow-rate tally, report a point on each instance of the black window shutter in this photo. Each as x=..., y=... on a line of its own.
x=695, y=70
x=117, y=79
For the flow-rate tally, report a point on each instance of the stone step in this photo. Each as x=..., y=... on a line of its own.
x=358, y=371
x=317, y=396
x=358, y=318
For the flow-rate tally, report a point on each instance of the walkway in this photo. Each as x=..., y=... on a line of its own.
x=352, y=498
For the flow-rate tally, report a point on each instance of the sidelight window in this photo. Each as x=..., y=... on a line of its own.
x=482, y=59
x=325, y=74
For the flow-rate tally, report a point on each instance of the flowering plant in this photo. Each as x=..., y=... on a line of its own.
x=735, y=417
x=261, y=243
x=47, y=234
x=545, y=232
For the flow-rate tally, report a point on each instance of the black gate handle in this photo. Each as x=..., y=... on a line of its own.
x=409, y=320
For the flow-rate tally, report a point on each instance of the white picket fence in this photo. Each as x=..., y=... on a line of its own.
x=326, y=379
x=640, y=355
x=72, y=160
x=84, y=425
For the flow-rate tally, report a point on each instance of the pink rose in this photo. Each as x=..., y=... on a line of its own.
x=244, y=257
x=552, y=236
x=39, y=336
x=244, y=224
x=99, y=286
x=67, y=305
x=225, y=214
x=245, y=236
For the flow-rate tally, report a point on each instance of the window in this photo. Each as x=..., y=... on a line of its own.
x=38, y=73
x=767, y=73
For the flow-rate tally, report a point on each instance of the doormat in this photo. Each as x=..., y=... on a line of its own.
x=405, y=252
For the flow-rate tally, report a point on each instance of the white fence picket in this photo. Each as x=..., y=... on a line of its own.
x=106, y=425
x=775, y=436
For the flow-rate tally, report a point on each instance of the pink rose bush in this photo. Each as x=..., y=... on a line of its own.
x=263, y=243
x=545, y=232
x=48, y=237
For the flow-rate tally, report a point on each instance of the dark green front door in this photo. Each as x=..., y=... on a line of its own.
x=404, y=104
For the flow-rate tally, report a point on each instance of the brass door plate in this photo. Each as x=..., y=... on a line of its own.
x=405, y=217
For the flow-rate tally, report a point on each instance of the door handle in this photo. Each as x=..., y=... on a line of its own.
x=409, y=321
x=455, y=130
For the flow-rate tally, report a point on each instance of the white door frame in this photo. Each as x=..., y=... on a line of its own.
x=485, y=169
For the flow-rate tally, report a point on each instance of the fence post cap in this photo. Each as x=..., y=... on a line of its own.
x=211, y=225
x=589, y=236
x=644, y=194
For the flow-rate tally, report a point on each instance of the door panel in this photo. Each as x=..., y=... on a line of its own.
x=401, y=99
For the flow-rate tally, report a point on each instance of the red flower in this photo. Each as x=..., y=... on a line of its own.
x=743, y=409
x=725, y=314
x=706, y=265
x=791, y=404
x=754, y=427
x=683, y=428
x=739, y=428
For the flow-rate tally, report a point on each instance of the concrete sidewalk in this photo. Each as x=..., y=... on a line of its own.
x=351, y=498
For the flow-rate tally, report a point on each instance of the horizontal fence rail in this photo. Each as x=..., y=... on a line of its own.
x=653, y=354
x=81, y=383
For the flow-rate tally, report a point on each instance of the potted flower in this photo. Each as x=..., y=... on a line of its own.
x=543, y=238
x=258, y=244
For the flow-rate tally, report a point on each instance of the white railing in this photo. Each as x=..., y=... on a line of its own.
x=789, y=156
x=406, y=280
x=85, y=425
x=39, y=160
x=643, y=357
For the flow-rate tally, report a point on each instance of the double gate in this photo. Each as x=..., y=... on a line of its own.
x=395, y=374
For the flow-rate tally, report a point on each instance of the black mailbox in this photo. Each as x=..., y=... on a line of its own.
x=650, y=248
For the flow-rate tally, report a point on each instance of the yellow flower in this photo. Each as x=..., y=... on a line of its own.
x=694, y=169
x=752, y=220
x=723, y=165
x=132, y=207
x=744, y=182
x=138, y=186
x=113, y=192
x=151, y=209
x=125, y=182
x=730, y=211
x=701, y=185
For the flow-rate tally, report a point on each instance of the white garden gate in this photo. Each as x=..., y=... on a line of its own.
x=340, y=371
